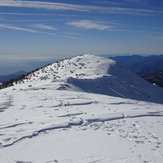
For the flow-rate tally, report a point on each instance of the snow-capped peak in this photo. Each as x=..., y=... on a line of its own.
x=84, y=66
x=94, y=74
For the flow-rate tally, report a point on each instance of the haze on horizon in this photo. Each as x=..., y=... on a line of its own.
x=40, y=31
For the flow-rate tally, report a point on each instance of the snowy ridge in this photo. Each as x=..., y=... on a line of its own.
x=94, y=74
x=69, y=113
x=81, y=67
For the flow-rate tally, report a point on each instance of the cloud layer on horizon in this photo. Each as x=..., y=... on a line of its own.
x=43, y=26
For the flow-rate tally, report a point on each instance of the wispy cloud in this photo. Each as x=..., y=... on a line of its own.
x=161, y=37
x=141, y=2
x=43, y=5
x=17, y=28
x=123, y=3
x=113, y=3
x=35, y=31
x=34, y=14
x=34, y=20
x=42, y=26
x=75, y=7
x=87, y=24
x=138, y=27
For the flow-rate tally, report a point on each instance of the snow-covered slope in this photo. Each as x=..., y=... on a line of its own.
x=52, y=118
x=94, y=74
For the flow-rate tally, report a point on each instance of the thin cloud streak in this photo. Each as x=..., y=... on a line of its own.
x=32, y=14
x=36, y=20
x=74, y=7
x=42, y=26
x=110, y=3
x=65, y=36
x=125, y=30
x=17, y=28
x=43, y=5
x=141, y=2
x=88, y=24
x=34, y=31
x=144, y=28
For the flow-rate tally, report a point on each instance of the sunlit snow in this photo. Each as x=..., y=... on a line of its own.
x=86, y=109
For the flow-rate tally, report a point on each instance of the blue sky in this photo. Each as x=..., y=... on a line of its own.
x=42, y=30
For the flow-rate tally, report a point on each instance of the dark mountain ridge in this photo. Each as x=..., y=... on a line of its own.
x=148, y=67
x=141, y=65
x=4, y=78
x=155, y=78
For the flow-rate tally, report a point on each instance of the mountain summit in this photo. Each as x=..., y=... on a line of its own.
x=93, y=74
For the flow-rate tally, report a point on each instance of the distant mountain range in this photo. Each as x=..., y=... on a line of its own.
x=156, y=78
x=5, y=78
x=148, y=67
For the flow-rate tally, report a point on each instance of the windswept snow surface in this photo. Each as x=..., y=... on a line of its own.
x=47, y=120
x=89, y=73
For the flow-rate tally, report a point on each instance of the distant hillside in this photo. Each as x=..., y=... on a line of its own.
x=141, y=65
x=5, y=78
x=156, y=78
x=148, y=67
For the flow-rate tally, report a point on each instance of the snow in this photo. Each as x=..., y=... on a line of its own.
x=69, y=120
x=94, y=74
